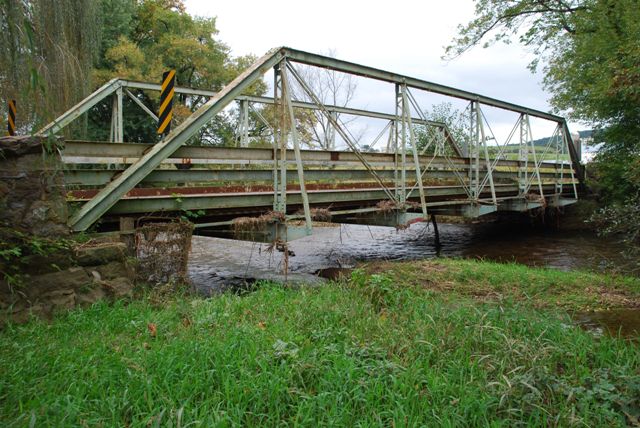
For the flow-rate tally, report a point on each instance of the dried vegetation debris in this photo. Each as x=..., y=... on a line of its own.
x=241, y=224
x=387, y=205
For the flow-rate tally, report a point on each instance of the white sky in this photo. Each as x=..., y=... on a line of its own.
x=402, y=36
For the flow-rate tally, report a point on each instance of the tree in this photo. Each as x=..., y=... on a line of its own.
x=332, y=88
x=457, y=125
x=141, y=40
x=46, y=56
x=590, y=52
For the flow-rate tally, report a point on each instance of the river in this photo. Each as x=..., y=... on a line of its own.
x=216, y=264
x=221, y=264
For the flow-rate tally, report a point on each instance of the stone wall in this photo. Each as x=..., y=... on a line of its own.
x=32, y=194
x=42, y=270
x=68, y=278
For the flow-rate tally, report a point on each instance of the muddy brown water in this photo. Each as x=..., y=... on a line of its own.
x=218, y=264
x=617, y=322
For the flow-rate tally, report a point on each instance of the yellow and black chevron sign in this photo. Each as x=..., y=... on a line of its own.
x=166, y=102
x=11, y=122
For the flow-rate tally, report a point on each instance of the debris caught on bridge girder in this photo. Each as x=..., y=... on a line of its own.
x=388, y=206
x=318, y=214
x=242, y=224
x=536, y=197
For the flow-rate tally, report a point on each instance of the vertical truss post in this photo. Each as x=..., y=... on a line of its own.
x=330, y=136
x=444, y=137
x=566, y=140
x=483, y=138
x=523, y=157
x=286, y=96
x=474, y=150
x=243, y=124
x=406, y=116
x=535, y=156
x=393, y=148
x=279, y=160
x=119, y=117
x=402, y=146
x=560, y=145
x=114, y=119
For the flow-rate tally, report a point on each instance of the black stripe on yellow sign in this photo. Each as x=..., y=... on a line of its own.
x=166, y=102
x=11, y=123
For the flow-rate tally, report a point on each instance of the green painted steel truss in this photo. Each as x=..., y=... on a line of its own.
x=462, y=179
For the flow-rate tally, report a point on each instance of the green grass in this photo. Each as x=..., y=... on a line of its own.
x=376, y=351
x=492, y=281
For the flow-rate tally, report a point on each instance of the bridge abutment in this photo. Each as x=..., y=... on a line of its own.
x=43, y=269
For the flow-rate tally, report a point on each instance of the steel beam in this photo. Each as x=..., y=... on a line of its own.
x=342, y=110
x=377, y=74
x=147, y=204
x=178, y=89
x=163, y=177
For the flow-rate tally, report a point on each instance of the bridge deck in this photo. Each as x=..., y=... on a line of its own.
x=222, y=184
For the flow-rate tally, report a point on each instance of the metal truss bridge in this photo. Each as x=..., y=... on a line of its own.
x=284, y=188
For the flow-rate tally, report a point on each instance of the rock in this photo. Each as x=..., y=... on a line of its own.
x=54, y=262
x=59, y=299
x=115, y=270
x=23, y=314
x=101, y=254
x=74, y=278
x=21, y=146
x=87, y=298
x=96, y=275
x=118, y=287
x=46, y=218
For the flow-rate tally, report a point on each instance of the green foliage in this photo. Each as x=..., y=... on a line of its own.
x=597, y=78
x=141, y=40
x=539, y=24
x=188, y=215
x=325, y=356
x=484, y=280
x=590, y=48
x=53, y=55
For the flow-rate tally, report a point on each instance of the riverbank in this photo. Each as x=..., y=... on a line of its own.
x=447, y=342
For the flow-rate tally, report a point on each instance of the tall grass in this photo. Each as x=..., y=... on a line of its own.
x=371, y=352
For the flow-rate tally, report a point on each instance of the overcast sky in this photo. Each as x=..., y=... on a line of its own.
x=403, y=36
